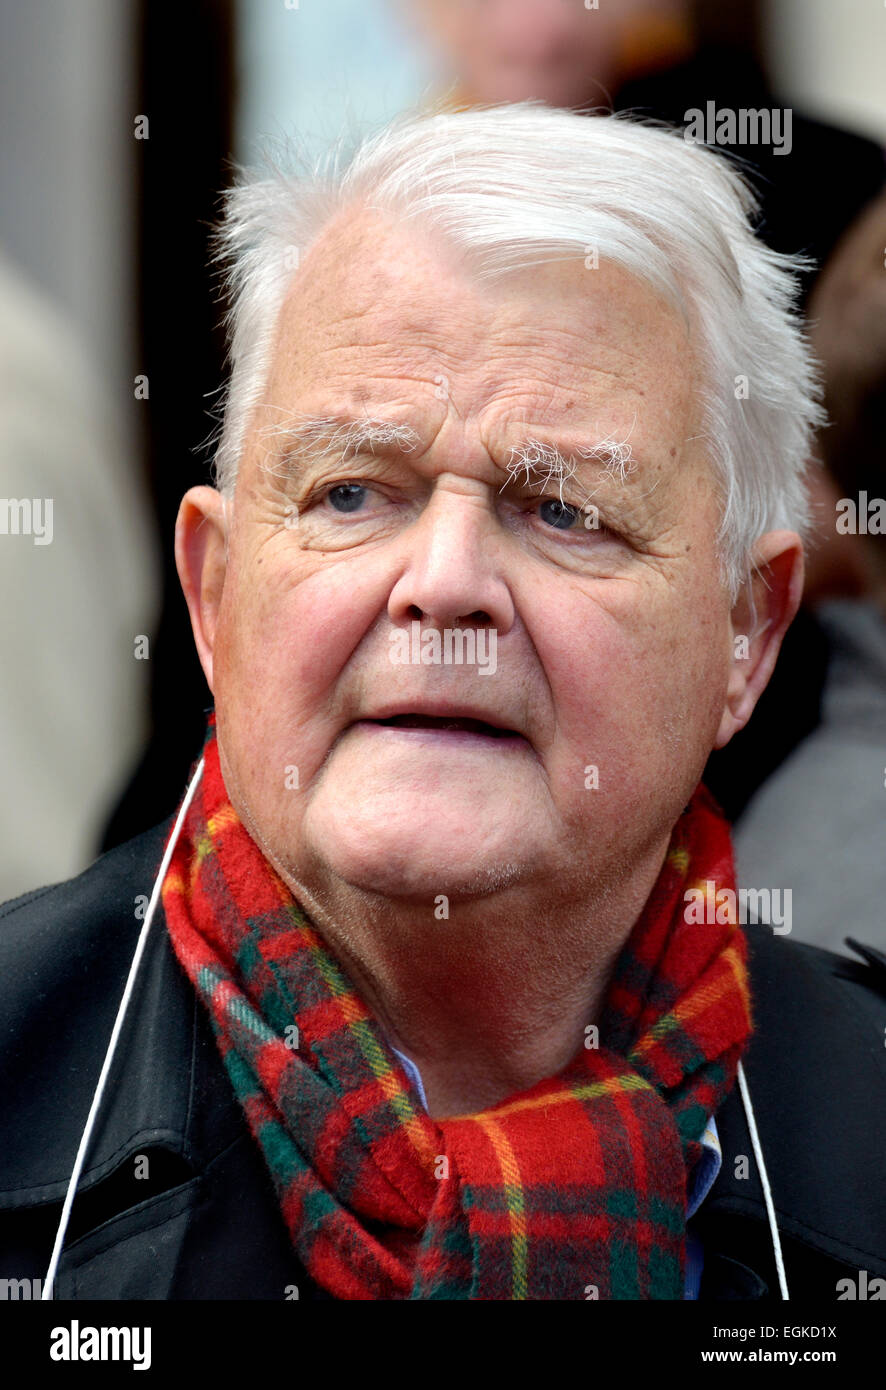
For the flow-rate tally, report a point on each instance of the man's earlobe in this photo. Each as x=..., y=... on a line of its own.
x=761, y=617
x=201, y=550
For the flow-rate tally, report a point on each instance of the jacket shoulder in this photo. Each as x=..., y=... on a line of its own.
x=92, y=895
x=815, y=1069
x=65, y=953
x=63, y=945
x=175, y=1199
x=855, y=984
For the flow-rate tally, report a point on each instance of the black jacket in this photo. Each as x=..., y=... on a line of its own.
x=202, y=1220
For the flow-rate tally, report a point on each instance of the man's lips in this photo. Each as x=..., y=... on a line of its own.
x=441, y=722
x=442, y=725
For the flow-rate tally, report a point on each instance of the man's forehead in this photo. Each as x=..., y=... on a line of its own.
x=372, y=280
x=551, y=357
x=521, y=372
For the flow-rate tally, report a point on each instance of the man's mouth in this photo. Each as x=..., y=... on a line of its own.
x=445, y=724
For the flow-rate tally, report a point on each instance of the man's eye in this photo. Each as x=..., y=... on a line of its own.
x=558, y=514
x=346, y=497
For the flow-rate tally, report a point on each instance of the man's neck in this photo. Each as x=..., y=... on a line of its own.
x=493, y=999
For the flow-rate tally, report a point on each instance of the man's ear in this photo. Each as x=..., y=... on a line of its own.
x=774, y=591
x=201, y=556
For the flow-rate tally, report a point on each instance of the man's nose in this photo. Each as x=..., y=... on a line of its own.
x=454, y=567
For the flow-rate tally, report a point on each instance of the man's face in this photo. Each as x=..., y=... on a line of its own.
x=613, y=642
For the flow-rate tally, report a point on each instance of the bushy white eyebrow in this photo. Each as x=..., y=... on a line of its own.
x=543, y=463
x=320, y=435
x=616, y=456
x=536, y=460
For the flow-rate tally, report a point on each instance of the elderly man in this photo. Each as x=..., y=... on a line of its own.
x=443, y=987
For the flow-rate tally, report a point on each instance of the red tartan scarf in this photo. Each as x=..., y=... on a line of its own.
x=574, y=1186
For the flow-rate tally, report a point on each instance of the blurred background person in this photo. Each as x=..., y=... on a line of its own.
x=556, y=51
x=832, y=788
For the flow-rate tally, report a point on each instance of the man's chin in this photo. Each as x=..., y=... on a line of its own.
x=433, y=868
x=434, y=885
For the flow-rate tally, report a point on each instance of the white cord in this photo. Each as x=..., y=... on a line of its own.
x=112, y=1045
x=764, y=1179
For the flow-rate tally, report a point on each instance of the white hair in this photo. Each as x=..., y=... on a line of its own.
x=515, y=185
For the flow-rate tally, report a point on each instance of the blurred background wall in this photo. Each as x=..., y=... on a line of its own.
x=67, y=176
x=74, y=706
x=831, y=59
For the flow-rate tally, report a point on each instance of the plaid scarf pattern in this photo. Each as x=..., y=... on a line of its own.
x=573, y=1188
